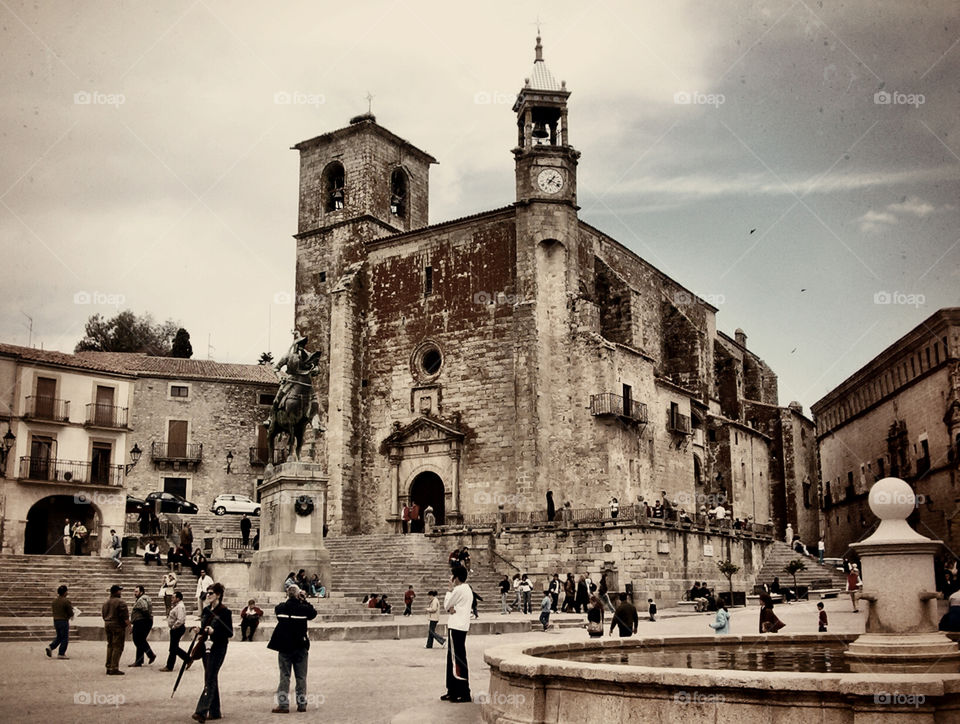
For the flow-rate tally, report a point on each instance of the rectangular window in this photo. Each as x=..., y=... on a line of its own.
x=46, y=398
x=936, y=353
x=179, y=391
x=427, y=281
x=928, y=358
x=322, y=277
x=627, y=399
x=100, y=463
x=41, y=458
x=177, y=486
x=880, y=467
x=265, y=398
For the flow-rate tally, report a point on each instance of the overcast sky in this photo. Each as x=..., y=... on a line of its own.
x=791, y=162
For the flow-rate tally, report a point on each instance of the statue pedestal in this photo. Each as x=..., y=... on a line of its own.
x=293, y=506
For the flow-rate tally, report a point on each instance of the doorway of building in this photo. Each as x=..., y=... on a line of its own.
x=427, y=489
x=45, y=521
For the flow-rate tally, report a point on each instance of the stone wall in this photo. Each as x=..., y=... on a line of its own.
x=661, y=563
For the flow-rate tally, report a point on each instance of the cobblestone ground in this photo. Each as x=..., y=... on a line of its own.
x=357, y=681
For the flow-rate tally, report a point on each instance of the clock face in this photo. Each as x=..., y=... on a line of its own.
x=550, y=180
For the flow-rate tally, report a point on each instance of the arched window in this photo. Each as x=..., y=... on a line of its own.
x=398, y=193
x=332, y=189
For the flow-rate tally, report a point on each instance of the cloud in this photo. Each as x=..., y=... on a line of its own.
x=912, y=205
x=875, y=221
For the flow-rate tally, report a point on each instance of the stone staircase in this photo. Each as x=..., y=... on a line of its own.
x=780, y=554
x=380, y=563
x=28, y=584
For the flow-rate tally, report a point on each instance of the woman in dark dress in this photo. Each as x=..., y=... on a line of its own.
x=769, y=622
x=217, y=625
x=595, y=618
x=582, y=600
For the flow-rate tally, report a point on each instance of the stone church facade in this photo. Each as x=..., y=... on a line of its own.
x=484, y=360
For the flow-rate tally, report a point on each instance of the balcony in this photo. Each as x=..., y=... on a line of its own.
x=609, y=404
x=259, y=457
x=73, y=472
x=680, y=424
x=107, y=416
x=49, y=409
x=176, y=452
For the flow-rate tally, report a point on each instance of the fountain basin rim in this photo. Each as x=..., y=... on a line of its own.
x=523, y=660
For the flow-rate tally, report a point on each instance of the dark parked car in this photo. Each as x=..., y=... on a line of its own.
x=134, y=504
x=171, y=503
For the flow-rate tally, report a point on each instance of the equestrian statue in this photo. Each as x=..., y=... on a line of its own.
x=295, y=404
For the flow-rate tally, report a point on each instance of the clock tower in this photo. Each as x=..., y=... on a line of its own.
x=546, y=163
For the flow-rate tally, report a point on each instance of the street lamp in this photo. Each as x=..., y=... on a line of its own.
x=5, y=447
x=229, y=460
x=135, y=453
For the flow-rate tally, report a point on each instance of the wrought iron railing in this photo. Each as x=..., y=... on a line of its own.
x=100, y=415
x=73, y=472
x=177, y=451
x=607, y=403
x=679, y=423
x=47, y=408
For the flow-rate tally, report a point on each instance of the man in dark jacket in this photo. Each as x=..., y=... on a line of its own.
x=625, y=618
x=216, y=623
x=116, y=620
x=245, y=529
x=292, y=645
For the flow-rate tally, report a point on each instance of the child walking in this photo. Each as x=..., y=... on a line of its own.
x=653, y=609
x=822, y=619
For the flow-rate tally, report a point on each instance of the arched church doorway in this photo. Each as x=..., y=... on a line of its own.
x=44, y=531
x=427, y=489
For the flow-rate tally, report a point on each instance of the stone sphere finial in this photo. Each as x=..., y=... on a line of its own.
x=892, y=499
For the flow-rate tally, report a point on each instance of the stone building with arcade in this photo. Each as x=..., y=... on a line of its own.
x=485, y=360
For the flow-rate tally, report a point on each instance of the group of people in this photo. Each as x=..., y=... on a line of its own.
x=412, y=520
x=312, y=586
x=703, y=596
x=75, y=537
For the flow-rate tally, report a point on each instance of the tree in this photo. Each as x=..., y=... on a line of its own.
x=181, y=346
x=728, y=568
x=793, y=568
x=265, y=359
x=127, y=332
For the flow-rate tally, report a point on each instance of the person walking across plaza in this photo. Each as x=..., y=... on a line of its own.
x=505, y=607
x=821, y=618
x=116, y=622
x=603, y=592
x=142, y=619
x=853, y=585
x=115, y=549
x=177, y=623
x=595, y=618
x=555, y=588
x=405, y=519
x=245, y=525
x=625, y=618
x=292, y=645
x=821, y=548
x=721, y=624
x=526, y=588
x=62, y=613
x=545, y=603
x=203, y=583
x=249, y=620
x=415, y=518
x=457, y=603
x=408, y=597
x=167, y=588
x=652, y=609
x=433, y=616
x=79, y=537
x=216, y=623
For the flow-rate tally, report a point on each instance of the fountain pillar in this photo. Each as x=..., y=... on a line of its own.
x=898, y=584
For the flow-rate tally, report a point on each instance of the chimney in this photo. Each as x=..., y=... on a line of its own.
x=741, y=337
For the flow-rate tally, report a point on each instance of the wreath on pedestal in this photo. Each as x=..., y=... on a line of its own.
x=304, y=505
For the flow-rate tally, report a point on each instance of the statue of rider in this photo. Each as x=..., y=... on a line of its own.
x=297, y=362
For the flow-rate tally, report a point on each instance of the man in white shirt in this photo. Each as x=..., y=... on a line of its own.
x=203, y=583
x=177, y=622
x=457, y=603
x=719, y=512
x=67, y=535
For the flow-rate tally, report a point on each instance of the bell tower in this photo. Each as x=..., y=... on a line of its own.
x=546, y=163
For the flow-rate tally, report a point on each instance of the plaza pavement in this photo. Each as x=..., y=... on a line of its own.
x=381, y=681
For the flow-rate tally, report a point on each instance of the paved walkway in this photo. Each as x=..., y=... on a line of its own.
x=381, y=681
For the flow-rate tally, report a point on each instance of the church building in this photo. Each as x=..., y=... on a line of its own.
x=485, y=360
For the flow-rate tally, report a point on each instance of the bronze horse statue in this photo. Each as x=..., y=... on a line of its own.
x=295, y=404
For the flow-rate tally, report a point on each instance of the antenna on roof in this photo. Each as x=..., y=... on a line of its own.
x=29, y=327
x=369, y=102
x=210, y=347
